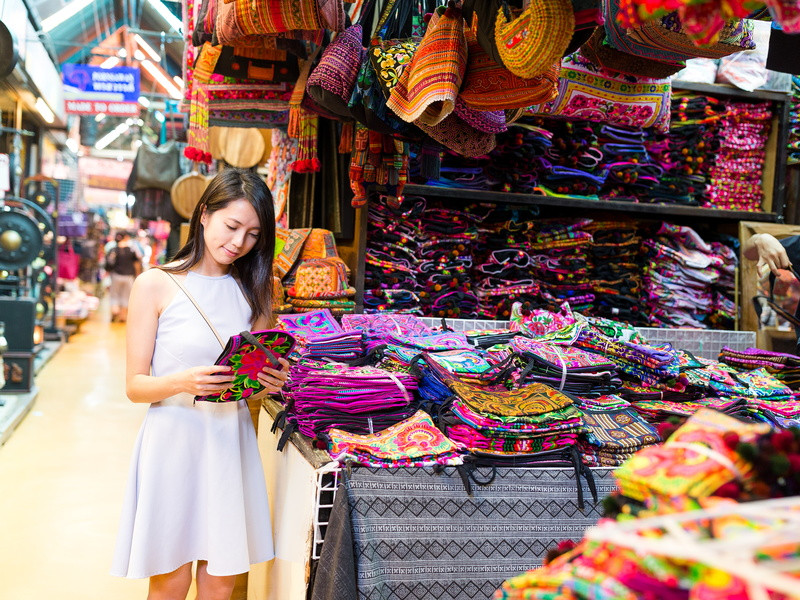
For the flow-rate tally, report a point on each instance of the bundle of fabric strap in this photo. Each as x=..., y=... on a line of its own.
x=413, y=442
x=323, y=395
x=392, y=261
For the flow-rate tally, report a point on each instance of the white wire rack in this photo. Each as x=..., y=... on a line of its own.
x=327, y=484
x=703, y=343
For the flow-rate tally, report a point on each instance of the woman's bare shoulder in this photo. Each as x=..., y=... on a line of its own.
x=156, y=286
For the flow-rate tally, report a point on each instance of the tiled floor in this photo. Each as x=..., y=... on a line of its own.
x=63, y=473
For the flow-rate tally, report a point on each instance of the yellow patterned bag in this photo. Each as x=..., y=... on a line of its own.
x=530, y=41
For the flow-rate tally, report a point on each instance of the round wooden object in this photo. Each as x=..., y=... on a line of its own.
x=186, y=192
x=215, y=135
x=242, y=148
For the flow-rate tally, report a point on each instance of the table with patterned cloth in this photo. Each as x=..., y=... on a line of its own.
x=402, y=534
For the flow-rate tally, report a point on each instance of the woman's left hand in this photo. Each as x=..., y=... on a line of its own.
x=273, y=380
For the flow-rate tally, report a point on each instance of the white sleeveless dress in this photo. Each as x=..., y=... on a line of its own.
x=196, y=489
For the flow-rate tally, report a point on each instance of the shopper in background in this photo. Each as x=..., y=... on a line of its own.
x=771, y=252
x=123, y=263
x=196, y=490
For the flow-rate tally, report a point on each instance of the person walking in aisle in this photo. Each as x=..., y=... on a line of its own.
x=123, y=263
x=196, y=490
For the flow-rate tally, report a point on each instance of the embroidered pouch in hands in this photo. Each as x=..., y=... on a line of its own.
x=247, y=353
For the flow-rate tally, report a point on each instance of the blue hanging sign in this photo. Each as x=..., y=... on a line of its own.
x=90, y=90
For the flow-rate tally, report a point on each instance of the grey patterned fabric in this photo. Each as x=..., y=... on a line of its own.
x=416, y=533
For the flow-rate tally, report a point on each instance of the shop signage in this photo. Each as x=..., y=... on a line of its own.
x=92, y=90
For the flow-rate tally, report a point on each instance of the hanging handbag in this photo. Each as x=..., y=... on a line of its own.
x=488, y=85
x=392, y=48
x=157, y=167
x=427, y=89
x=665, y=40
x=69, y=262
x=332, y=81
x=587, y=92
x=531, y=40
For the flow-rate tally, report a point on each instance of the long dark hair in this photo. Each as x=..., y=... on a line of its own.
x=254, y=269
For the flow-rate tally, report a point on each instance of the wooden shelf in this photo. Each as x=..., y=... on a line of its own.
x=722, y=89
x=577, y=202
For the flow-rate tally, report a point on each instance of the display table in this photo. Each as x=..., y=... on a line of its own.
x=409, y=533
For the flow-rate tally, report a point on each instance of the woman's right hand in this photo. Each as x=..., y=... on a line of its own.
x=204, y=381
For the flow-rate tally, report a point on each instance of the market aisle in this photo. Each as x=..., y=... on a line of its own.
x=63, y=473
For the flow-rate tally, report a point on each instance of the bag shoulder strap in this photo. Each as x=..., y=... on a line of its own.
x=197, y=306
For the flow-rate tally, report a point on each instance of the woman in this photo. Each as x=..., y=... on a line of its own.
x=196, y=490
x=123, y=263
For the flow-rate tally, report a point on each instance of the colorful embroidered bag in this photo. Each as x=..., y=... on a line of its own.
x=332, y=81
x=488, y=85
x=587, y=92
x=664, y=39
x=531, y=40
x=390, y=51
x=248, y=353
x=597, y=50
x=427, y=88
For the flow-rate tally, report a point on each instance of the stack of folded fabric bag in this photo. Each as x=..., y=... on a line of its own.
x=376, y=327
x=502, y=270
x=413, y=442
x=724, y=312
x=566, y=368
x=613, y=434
x=392, y=261
x=322, y=283
x=347, y=345
x=785, y=367
x=680, y=274
x=631, y=172
x=738, y=171
x=310, y=324
x=649, y=364
x=687, y=153
x=323, y=395
x=497, y=421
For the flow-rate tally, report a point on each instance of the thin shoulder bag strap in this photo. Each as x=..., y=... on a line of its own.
x=197, y=306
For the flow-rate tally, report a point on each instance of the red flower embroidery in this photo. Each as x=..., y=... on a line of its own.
x=252, y=363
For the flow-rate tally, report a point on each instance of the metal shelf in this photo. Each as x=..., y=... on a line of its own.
x=585, y=203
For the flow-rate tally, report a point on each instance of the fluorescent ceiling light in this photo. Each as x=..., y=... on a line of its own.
x=44, y=110
x=159, y=76
x=111, y=61
x=178, y=81
x=144, y=101
x=111, y=136
x=69, y=10
x=72, y=145
x=99, y=117
x=139, y=55
x=165, y=13
x=146, y=47
x=160, y=117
